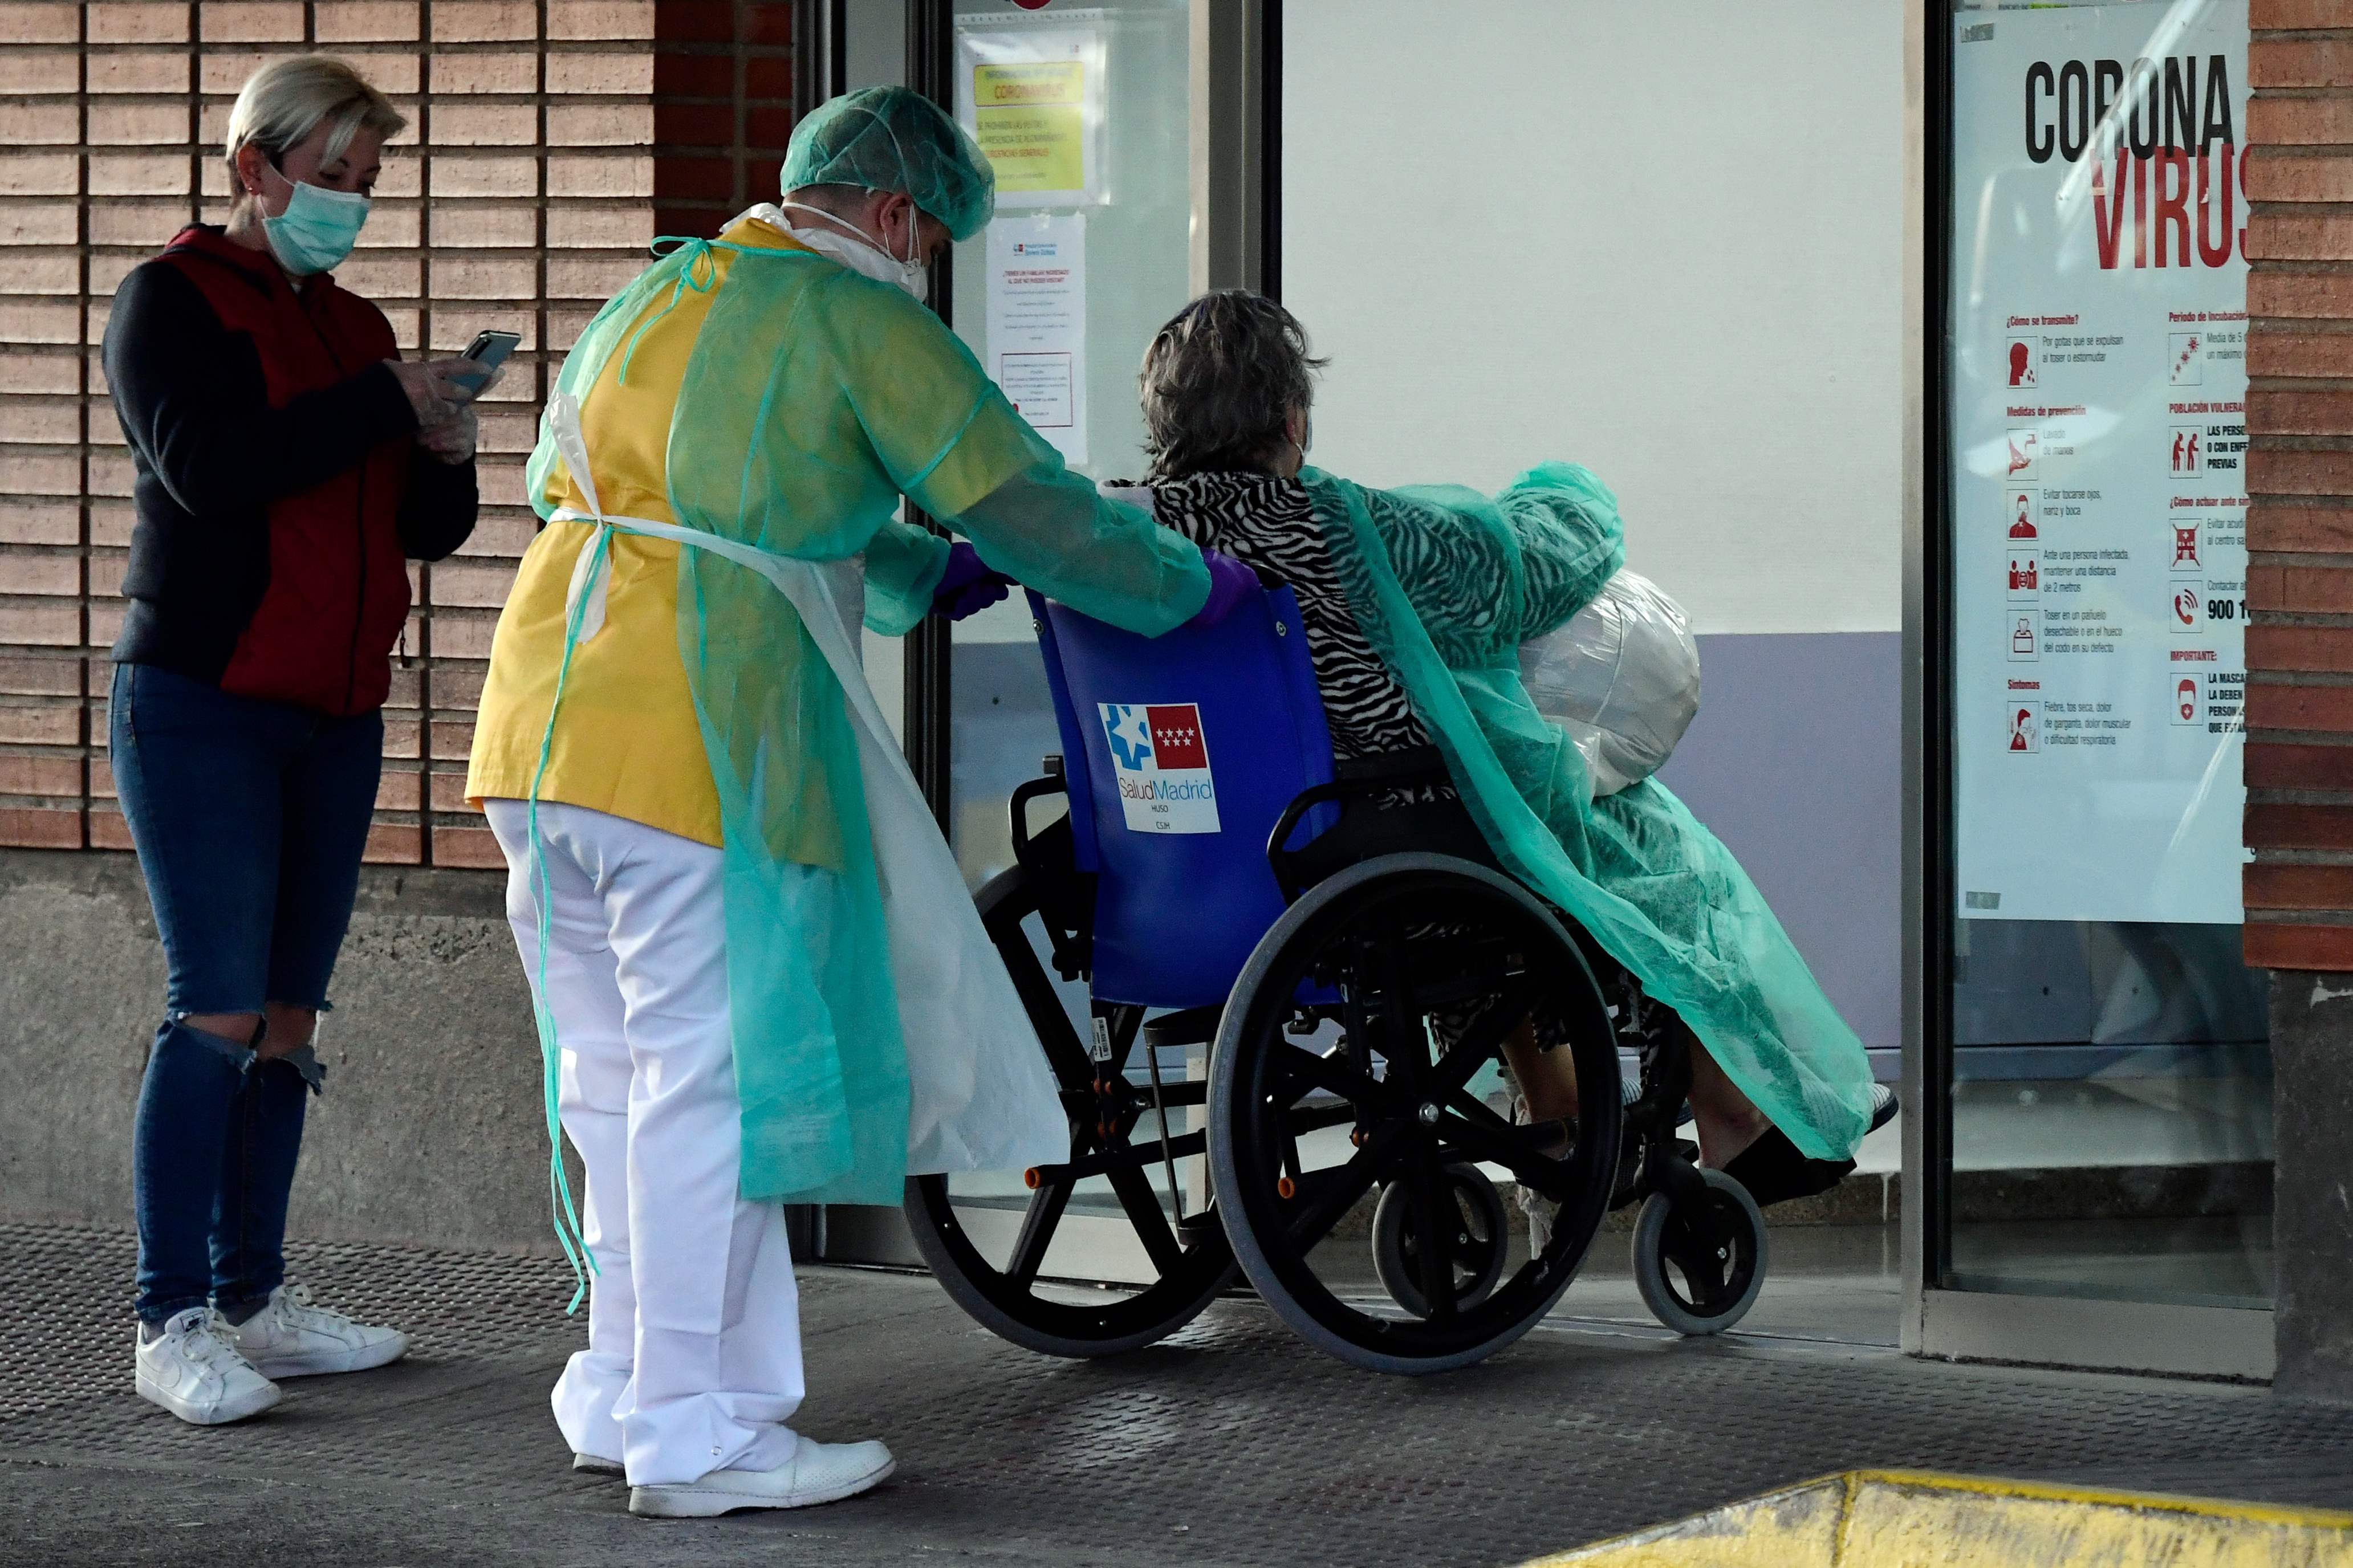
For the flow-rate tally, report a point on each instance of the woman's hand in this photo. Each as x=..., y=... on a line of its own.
x=453, y=441
x=438, y=388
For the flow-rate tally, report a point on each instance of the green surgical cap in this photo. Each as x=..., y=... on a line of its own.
x=893, y=139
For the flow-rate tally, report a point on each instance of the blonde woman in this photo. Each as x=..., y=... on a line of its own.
x=287, y=464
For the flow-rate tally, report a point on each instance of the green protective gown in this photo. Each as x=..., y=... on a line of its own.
x=1447, y=583
x=813, y=399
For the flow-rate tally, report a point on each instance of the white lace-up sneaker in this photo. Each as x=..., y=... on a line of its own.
x=818, y=1472
x=193, y=1370
x=293, y=1338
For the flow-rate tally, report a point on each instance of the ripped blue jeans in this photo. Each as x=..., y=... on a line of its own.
x=250, y=818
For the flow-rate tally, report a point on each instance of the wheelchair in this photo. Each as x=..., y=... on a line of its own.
x=1334, y=960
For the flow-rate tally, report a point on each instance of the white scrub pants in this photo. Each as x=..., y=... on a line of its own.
x=694, y=1361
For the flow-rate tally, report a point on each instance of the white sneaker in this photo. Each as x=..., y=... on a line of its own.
x=292, y=1337
x=818, y=1472
x=193, y=1370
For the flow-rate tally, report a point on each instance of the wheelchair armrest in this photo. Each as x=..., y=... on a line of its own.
x=1354, y=779
x=1052, y=783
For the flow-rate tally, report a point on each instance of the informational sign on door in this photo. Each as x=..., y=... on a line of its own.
x=2098, y=433
x=1037, y=323
x=1033, y=97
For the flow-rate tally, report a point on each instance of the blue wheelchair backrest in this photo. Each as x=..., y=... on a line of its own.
x=1180, y=753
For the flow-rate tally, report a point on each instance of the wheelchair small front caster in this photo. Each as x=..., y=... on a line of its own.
x=1699, y=1274
x=1470, y=1207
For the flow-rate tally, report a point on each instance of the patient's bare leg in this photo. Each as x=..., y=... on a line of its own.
x=1727, y=1120
x=1547, y=1078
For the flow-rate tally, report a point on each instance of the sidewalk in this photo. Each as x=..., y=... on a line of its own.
x=1231, y=1445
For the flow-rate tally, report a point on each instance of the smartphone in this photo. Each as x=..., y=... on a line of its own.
x=489, y=349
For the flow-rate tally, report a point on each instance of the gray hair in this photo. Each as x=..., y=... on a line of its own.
x=1221, y=381
x=284, y=101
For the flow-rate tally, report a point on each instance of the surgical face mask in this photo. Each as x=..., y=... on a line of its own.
x=317, y=229
x=869, y=257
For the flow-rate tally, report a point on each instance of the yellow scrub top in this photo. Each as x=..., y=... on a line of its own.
x=629, y=745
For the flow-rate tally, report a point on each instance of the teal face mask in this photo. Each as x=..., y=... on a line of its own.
x=317, y=229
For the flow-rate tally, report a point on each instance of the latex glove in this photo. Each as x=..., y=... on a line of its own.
x=1231, y=586
x=967, y=587
x=452, y=441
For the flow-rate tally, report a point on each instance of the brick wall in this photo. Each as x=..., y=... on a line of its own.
x=2299, y=767
x=549, y=142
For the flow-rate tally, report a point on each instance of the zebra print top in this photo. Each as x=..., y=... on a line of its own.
x=1268, y=523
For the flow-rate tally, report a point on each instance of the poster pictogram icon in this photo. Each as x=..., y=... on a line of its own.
x=2185, y=549
x=2023, y=577
x=2185, y=699
x=2020, y=360
x=2025, y=447
x=2025, y=726
x=2186, y=367
x=2025, y=635
x=2019, y=509
x=2186, y=456
x=2189, y=610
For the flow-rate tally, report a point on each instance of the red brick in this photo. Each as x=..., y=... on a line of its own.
x=678, y=178
x=453, y=738
x=2277, y=826
x=53, y=775
x=2308, y=947
x=41, y=677
x=395, y=844
x=2276, y=764
x=2300, y=62
x=2276, y=886
x=34, y=828
x=693, y=76
x=54, y=726
x=2272, y=471
x=2311, y=648
x=2281, y=528
x=769, y=128
x=2282, y=15
x=2296, y=175
x=467, y=847
x=2273, y=706
x=2278, y=291
x=350, y=21
x=694, y=125
x=2299, y=122
x=764, y=22
x=769, y=76
x=399, y=790
x=687, y=22
x=2301, y=411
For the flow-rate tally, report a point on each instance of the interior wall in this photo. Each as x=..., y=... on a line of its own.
x=1660, y=237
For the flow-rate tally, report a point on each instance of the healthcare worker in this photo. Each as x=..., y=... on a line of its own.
x=758, y=975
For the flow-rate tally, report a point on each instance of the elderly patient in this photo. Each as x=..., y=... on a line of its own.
x=1415, y=602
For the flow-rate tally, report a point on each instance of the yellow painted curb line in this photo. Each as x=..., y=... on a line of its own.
x=1904, y=1519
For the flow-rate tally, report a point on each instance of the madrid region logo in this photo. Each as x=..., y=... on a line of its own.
x=1161, y=762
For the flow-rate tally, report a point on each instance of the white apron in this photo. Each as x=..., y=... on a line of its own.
x=981, y=1096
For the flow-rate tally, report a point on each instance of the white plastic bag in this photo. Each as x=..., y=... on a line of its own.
x=1621, y=677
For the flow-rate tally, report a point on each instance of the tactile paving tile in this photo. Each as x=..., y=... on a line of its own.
x=1229, y=1444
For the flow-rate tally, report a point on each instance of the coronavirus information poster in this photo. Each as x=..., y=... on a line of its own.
x=2098, y=388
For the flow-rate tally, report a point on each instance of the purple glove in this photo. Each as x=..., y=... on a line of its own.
x=1231, y=586
x=967, y=586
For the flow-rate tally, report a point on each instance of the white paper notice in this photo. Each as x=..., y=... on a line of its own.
x=2098, y=430
x=1038, y=324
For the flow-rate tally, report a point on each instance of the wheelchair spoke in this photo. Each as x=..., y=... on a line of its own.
x=1334, y=1074
x=1545, y=1174
x=1038, y=1227
x=1144, y=1213
x=1328, y=1194
x=1434, y=1212
x=1482, y=1039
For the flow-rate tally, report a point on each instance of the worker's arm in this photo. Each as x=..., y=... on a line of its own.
x=951, y=442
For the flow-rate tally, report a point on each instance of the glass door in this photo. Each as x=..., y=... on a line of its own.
x=2106, y=1116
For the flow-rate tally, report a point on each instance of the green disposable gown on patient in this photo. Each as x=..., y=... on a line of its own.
x=1447, y=583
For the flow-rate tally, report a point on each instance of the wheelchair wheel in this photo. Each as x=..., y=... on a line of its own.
x=1010, y=1295
x=1339, y=1018
x=1699, y=1274
x=1474, y=1230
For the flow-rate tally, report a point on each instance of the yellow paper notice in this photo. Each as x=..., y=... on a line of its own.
x=1031, y=119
